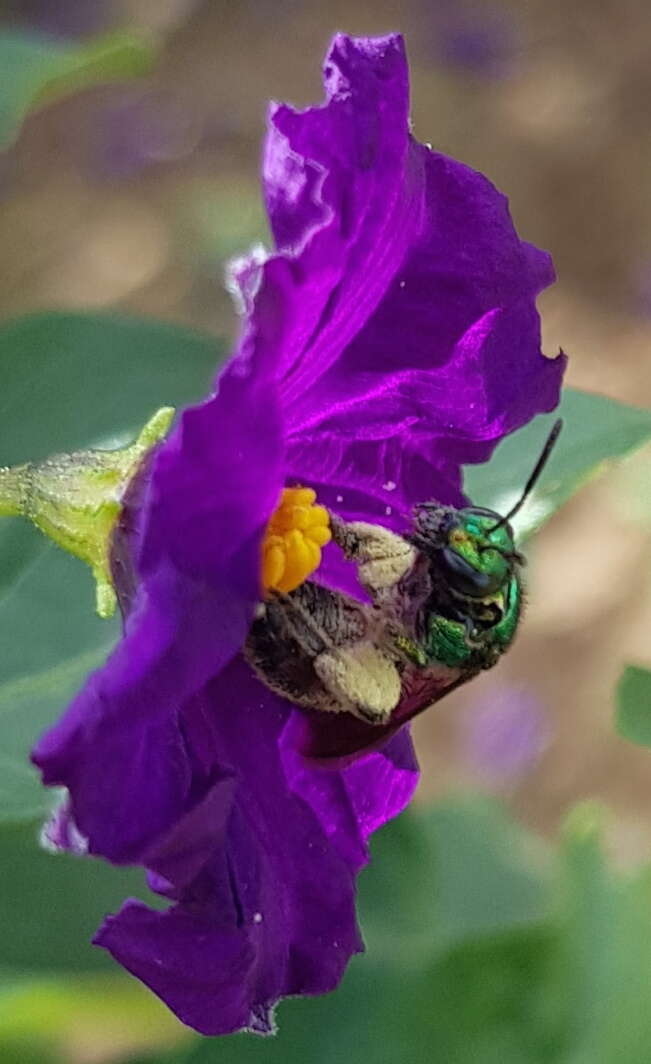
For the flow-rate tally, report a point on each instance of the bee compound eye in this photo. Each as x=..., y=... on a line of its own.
x=463, y=577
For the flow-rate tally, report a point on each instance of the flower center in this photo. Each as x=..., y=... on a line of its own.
x=291, y=549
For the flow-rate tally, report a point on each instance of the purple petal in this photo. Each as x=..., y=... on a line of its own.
x=416, y=340
x=378, y=482
x=353, y=802
x=272, y=911
x=119, y=749
x=199, y=968
x=343, y=199
x=469, y=365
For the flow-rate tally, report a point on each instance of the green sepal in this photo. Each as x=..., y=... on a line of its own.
x=75, y=499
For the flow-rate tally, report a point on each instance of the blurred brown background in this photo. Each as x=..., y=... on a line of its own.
x=134, y=197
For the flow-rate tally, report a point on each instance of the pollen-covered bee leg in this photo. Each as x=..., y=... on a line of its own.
x=363, y=680
x=356, y=674
x=382, y=556
x=313, y=646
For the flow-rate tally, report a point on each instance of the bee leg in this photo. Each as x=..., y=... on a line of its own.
x=362, y=680
x=382, y=556
x=279, y=659
x=292, y=631
x=315, y=647
x=335, y=631
x=320, y=619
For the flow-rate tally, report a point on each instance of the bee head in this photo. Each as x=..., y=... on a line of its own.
x=472, y=549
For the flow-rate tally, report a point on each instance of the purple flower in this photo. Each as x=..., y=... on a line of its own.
x=480, y=39
x=136, y=128
x=391, y=337
x=67, y=18
x=507, y=733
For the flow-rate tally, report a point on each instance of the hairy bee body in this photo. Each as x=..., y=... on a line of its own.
x=445, y=604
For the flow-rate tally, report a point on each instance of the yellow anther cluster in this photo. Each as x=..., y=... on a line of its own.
x=291, y=550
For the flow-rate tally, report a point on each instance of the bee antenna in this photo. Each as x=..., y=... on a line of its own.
x=535, y=474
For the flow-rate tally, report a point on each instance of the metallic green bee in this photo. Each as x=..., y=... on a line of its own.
x=445, y=604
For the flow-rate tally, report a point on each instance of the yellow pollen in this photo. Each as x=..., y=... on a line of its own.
x=291, y=549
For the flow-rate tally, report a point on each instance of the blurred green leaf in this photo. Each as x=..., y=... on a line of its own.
x=596, y=431
x=51, y=904
x=36, y=70
x=476, y=1006
x=20, y=1053
x=603, y=962
x=633, y=716
x=69, y=381
x=109, y=1014
x=478, y=874
x=585, y=956
x=30, y=703
x=73, y=380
